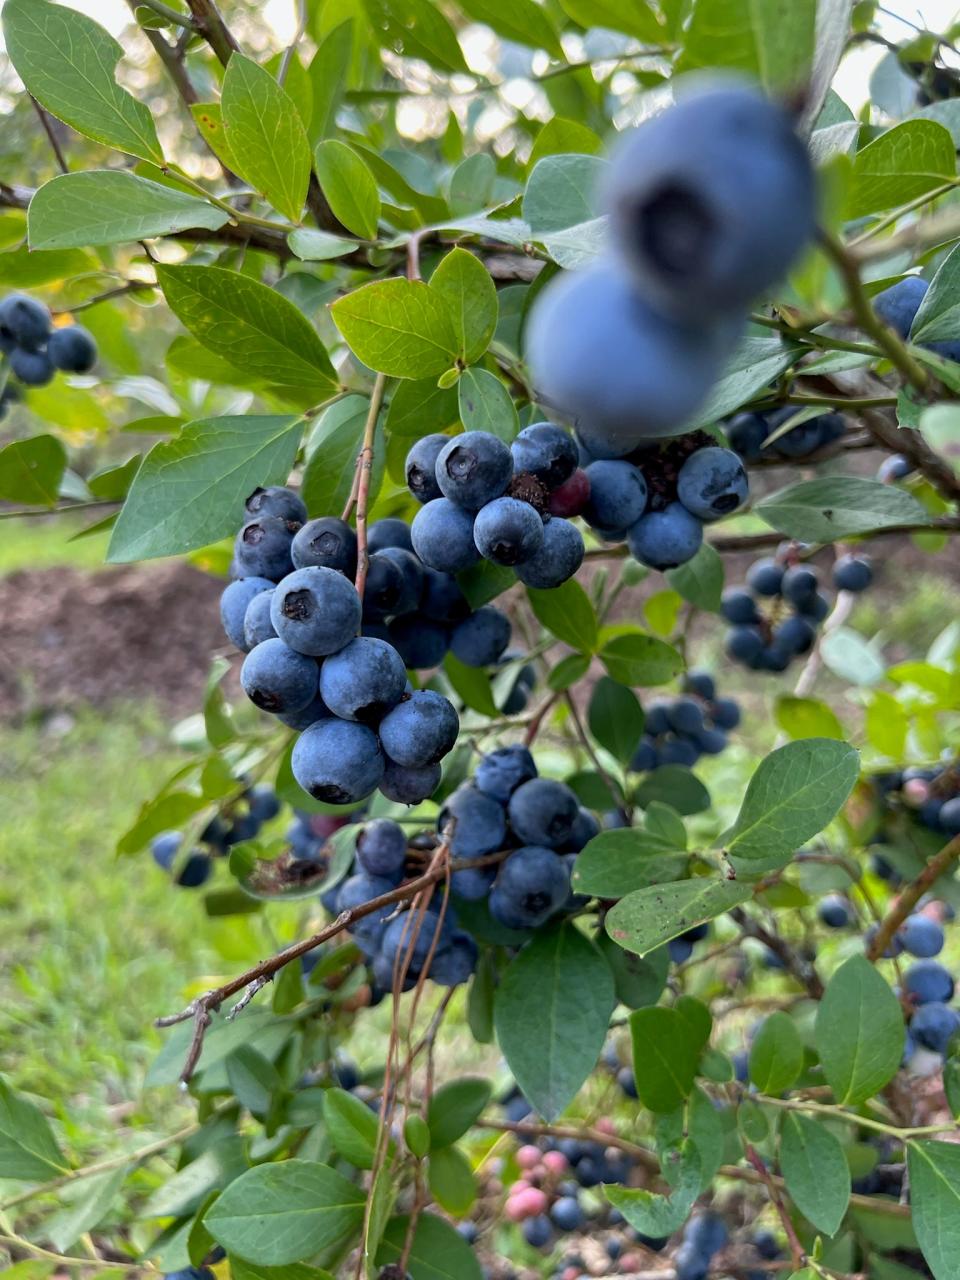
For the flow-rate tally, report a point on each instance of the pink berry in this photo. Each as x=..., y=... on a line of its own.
x=605, y=1125
x=528, y=1156
x=526, y=1203
x=630, y=1262
x=916, y=790
x=556, y=1162
x=571, y=497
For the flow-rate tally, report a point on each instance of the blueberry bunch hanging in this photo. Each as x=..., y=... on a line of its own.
x=34, y=349
x=682, y=729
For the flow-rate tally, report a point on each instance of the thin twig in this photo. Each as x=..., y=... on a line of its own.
x=362, y=480
x=841, y=611
x=796, y=1248
x=51, y=136
x=129, y=286
x=172, y=15
x=802, y=970
x=908, y=898
x=288, y=53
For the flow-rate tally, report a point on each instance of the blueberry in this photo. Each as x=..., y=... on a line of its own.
x=472, y=883
x=443, y=536
x=315, y=710
x=712, y=483
x=795, y=635
x=441, y=599
x=928, y=983
x=852, y=573
x=711, y=200
x=480, y=640
x=745, y=644
x=165, y=847
x=567, y=1214
x=618, y=496
x=25, y=321
x=337, y=761
x=746, y=433
x=33, y=368
x=468, y=1231
x=196, y=871
x=834, y=911
x=674, y=750
x=455, y=963
x=413, y=935
x=262, y=548
x=934, y=1025
x=773, y=658
x=421, y=730
x=799, y=584
x=473, y=469
x=327, y=543
x=816, y=607
x=409, y=785
x=278, y=679
x=765, y=577
x=411, y=577
x=233, y=606
x=701, y=683
x=921, y=936
x=767, y=1245
x=363, y=680
x=665, y=539
x=257, y=624
x=356, y=892
x=532, y=885
x=501, y=771
x=707, y=1233
x=390, y=532
x=690, y=1264
x=383, y=589
x=508, y=531
x=544, y=812
x=275, y=500
x=72, y=349
x=316, y=611
x=949, y=817
x=898, y=305
x=476, y=823
x=382, y=849
x=264, y=804
x=420, y=468
x=584, y=829
x=725, y=713
x=537, y=1231
x=645, y=758
x=685, y=715
x=894, y=468
x=679, y=950
x=545, y=451
x=800, y=441
x=711, y=741
x=422, y=644
x=558, y=559
x=738, y=606
x=623, y=373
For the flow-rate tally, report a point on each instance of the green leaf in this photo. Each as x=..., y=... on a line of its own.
x=24, y=269
x=167, y=812
x=439, y=1252
x=471, y=183
x=332, y=452
x=483, y=582
x=567, y=613
x=616, y=718
x=311, y=245
x=420, y=408
x=633, y=658
x=700, y=580
x=451, y=1180
x=939, y=314
x=639, y=980
x=351, y=1126
x=464, y=284
x=190, y=490
x=455, y=1107
x=328, y=74
x=561, y=137
x=753, y=366
x=796, y=791
x=419, y=28
x=561, y=192
x=249, y=324
x=656, y=1215
x=416, y=1135
x=674, y=785
x=551, y=1013
x=399, y=327
x=649, y=917
x=705, y=1125
x=568, y=671
x=28, y=1149
x=520, y=20
x=485, y=404
x=839, y=506
x=899, y=166
x=31, y=471
x=349, y=187
x=253, y=1078
x=859, y=1032
x=87, y=1211
x=666, y=1049
x=776, y=1055
x=208, y=117
x=219, y=1164
x=68, y=62
x=472, y=685
x=807, y=718
x=934, y=1169
x=852, y=657
x=243, y=1270
x=771, y=39
x=635, y=18
x=815, y=1171
x=265, y=135
x=616, y=863
x=112, y=206
x=279, y=1213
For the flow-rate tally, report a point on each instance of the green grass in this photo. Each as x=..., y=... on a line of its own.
x=44, y=543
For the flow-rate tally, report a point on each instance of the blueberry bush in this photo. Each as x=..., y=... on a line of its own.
x=468, y=343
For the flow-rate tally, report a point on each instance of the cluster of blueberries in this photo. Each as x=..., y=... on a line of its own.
x=35, y=350
x=255, y=807
x=930, y=794
x=682, y=729
x=361, y=725
x=774, y=616
x=748, y=434
x=708, y=204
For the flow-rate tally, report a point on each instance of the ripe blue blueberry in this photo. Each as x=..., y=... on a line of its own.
x=532, y=885
x=898, y=305
x=852, y=573
x=665, y=539
x=712, y=483
x=701, y=683
x=711, y=200
x=382, y=849
x=806, y=437
x=711, y=742
x=894, y=468
x=475, y=822
x=558, y=559
x=921, y=936
x=508, y=531
x=928, y=982
x=544, y=812
x=685, y=715
x=618, y=496
x=472, y=883
x=949, y=817
x=278, y=679
x=413, y=935
x=738, y=606
x=411, y=577
x=537, y=1231
x=409, y=784
x=765, y=577
x=165, y=847
x=745, y=644
x=815, y=607
x=257, y=624
x=441, y=599
x=680, y=950
x=316, y=611
x=567, y=1214
x=326, y=543
x=545, y=451
x=746, y=433
x=473, y=469
x=196, y=871
x=422, y=644
x=337, y=761
x=33, y=368
x=934, y=1025
x=799, y=584
x=834, y=911
x=794, y=635
x=262, y=548
x=725, y=713
x=454, y=963
x=315, y=710
x=442, y=535
x=480, y=640
x=233, y=606
x=264, y=804
x=690, y=1264
x=646, y=757
x=421, y=730
x=420, y=468
x=363, y=680
x=390, y=532
x=276, y=500
x=585, y=828
x=356, y=892
x=707, y=1233
x=501, y=771
x=72, y=349
x=24, y=320
x=676, y=750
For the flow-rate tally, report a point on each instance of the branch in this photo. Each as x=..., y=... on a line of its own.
x=362, y=481
x=796, y=1248
x=207, y=21
x=885, y=430
x=841, y=611
x=906, y=901
x=802, y=970
x=51, y=136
